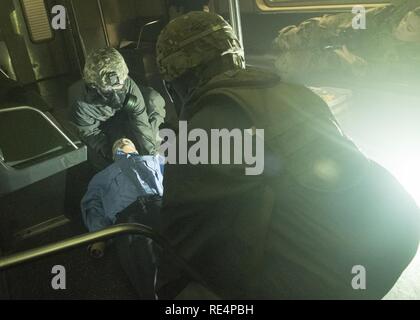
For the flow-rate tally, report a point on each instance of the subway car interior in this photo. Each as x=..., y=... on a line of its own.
x=44, y=167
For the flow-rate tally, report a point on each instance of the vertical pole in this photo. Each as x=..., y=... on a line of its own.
x=235, y=19
x=101, y=13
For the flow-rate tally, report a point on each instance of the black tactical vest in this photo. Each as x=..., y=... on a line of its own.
x=328, y=211
x=299, y=127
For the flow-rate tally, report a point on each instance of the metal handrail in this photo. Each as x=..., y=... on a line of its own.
x=22, y=108
x=4, y=73
x=235, y=20
x=103, y=22
x=89, y=238
x=142, y=29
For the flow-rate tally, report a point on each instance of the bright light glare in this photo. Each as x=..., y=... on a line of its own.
x=406, y=168
x=386, y=127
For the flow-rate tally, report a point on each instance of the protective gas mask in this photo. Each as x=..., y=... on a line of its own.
x=409, y=28
x=113, y=92
x=114, y=99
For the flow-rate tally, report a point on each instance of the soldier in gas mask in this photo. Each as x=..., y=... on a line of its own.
x=107, y=105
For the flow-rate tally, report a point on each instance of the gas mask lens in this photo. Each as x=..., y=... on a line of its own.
x=113, y=79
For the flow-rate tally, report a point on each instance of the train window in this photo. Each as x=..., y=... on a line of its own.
x=288, y=5
x=37, y=20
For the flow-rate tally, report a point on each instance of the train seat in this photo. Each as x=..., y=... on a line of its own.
x=35, y=155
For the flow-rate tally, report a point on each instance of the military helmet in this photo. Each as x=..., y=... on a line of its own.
x=105, y=69
x=409, y=27
x=195, y=40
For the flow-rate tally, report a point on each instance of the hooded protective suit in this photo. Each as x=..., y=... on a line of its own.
x=107, y=105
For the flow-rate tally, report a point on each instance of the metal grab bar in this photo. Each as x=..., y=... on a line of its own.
x=51, y=123
x=88, y=238
x=142, y=29
x=235, y=20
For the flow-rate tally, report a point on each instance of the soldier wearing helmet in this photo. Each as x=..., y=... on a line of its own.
x=329, y=47
x=297, y=230
x=107, y=105
x=213, y=48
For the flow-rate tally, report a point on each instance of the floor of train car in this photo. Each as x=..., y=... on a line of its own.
x=408, y=285
x=88, y=278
